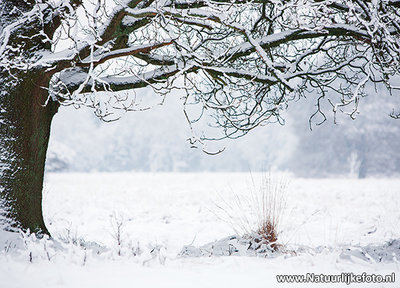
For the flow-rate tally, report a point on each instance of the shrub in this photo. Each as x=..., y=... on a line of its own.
x=258, y=214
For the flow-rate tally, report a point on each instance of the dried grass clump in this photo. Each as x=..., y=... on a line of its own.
x=271, y=207
x=269, y=234
x=257, y=215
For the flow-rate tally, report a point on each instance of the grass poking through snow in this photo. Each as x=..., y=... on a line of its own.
x=258, y=213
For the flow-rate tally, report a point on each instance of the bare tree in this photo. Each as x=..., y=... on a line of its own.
x=240, y=61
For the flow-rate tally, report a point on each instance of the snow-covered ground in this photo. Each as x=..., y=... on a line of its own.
x=329, y=226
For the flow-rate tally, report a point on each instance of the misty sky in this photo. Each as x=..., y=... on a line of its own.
x=156, y=140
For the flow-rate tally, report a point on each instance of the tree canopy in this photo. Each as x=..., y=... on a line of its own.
x=240, y=61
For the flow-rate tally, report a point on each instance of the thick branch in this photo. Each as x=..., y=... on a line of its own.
x=96, y=60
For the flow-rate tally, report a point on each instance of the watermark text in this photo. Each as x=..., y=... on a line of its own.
x=347, y=278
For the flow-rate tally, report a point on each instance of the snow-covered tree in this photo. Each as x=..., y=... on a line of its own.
x=239, y=61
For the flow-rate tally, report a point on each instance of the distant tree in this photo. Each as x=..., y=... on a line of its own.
x=366, y=146
x=240, y=61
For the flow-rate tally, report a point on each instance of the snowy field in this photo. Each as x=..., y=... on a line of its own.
x=329, y=226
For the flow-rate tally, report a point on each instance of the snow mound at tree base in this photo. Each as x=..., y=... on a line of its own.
x=10, y=241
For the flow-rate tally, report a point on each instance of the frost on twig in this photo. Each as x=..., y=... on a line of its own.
x=241, y=63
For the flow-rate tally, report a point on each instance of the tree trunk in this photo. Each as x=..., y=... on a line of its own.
x=363, y=155
x=25, y=120
x=25, y=123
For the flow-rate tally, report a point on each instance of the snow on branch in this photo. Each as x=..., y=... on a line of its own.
x=242, y=61
x=101, y=58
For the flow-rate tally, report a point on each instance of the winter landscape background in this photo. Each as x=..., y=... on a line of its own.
x=172, y=232
x=155, y=141
x=132, y=203
x=117, y=221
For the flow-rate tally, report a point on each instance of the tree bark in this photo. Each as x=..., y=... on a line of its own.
x=25, y=123
x=25, y=120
